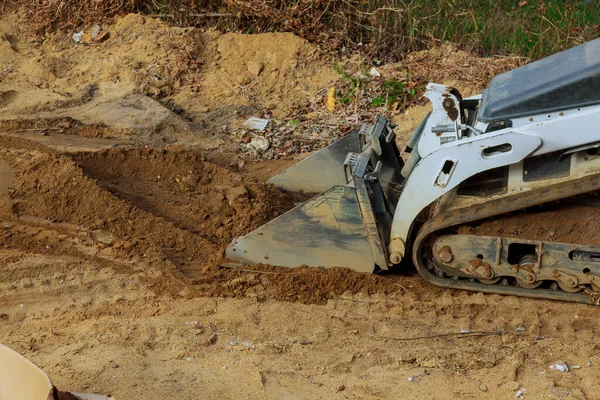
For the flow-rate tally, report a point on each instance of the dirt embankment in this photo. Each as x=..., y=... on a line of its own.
x=204, y=81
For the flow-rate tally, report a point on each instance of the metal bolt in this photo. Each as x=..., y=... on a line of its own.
x=531, y=118
x=445, y=254
x=395, y=258
x=525, y=172
x=561, y=113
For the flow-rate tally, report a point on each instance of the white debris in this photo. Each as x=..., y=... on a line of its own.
x=257, y=144
x=560, y=366
x=255, y=123
x=77, y=36
x=374, y=72
x=465, y=331
x=575, y=366
x=410, y=378
x=95, y=31
x=520, y=393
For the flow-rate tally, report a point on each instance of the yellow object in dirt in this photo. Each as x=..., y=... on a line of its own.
x=331, y=99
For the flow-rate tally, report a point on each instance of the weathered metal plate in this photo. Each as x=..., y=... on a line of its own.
x=319, y=171
x=33, y=383
x=325, y=231
x=20, y=379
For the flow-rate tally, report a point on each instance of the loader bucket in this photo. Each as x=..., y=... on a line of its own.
x=343, y=226
x=20, y=379
x=319, y=171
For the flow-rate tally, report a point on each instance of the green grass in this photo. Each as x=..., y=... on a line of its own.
x=534, y=28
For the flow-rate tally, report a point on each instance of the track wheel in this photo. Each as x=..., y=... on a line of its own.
x=528, y=261
x=528, y=285
x=569, y=289
x=492, y=281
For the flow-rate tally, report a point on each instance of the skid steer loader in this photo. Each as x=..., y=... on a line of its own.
x=531, y=137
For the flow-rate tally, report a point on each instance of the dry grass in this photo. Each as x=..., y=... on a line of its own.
x=383, y=30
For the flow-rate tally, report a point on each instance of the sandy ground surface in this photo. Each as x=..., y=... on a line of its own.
x=121, y=185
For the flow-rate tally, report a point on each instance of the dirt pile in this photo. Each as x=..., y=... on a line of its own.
x=168, y=200
x=268, y=73
x=207, y=79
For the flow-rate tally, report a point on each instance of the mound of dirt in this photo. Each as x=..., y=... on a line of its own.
x=150, y=202
x=218, y=79
x=271, y=71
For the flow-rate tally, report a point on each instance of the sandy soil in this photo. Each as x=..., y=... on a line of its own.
x=119, y=191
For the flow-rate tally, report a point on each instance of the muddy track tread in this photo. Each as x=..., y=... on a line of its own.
x=492, y=208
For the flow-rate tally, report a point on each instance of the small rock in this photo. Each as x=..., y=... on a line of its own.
x=210, y=341
x=341, y=388
x=190, y=181
x=246, y=345
x=246, y=138
x=191, y=379
x=224, y=366
x=520, y=392
x=560, y=366
x=294, y=340
x=237, y=192
x=113, y=364
x=255, y=68
x=483, y=387
x=102, y=236
x=233, y=342
x=520, y=328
